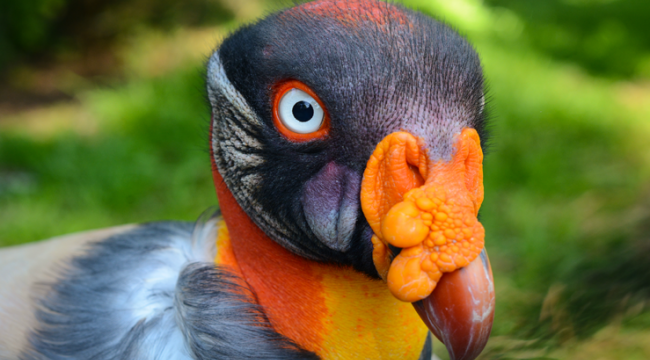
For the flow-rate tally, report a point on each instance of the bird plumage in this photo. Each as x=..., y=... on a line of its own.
x=26, y=270
x=288, y=271
x=145, y=292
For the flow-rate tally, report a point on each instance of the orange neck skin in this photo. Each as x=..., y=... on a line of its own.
x=268, y=268
x=331, y=310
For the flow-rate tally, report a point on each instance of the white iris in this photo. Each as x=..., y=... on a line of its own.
x=300, y=112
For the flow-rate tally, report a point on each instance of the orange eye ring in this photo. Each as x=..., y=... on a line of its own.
x=278, y=92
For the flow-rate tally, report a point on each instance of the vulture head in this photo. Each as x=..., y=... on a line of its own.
x=350, y=133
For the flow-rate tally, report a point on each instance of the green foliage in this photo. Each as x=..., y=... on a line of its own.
x=24, y=24
x=608, y=37
x=150, y=162
x=43, y=28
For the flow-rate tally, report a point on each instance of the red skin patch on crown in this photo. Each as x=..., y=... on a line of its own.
x=355, y=11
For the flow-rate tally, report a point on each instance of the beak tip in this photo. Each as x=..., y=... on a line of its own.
x=461, y=309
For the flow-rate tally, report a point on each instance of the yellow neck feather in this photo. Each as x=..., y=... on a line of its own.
x=341, y=315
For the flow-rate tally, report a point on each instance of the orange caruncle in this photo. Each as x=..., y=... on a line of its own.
x=434, y=223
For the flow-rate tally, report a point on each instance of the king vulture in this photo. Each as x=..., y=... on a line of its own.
x=346, y=154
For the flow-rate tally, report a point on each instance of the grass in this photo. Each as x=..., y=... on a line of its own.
x=148, y=160
x=566, y=178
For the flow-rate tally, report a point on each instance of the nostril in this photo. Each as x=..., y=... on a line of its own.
x=394, y=250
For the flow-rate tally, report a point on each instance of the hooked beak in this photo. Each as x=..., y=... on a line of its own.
x=461, y=309
x=428, y=209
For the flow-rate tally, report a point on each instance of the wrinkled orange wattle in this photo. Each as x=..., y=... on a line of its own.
x=427, y=208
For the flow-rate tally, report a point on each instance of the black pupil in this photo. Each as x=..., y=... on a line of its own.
x=303, y=111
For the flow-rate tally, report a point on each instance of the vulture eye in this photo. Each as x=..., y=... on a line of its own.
x=298, y=113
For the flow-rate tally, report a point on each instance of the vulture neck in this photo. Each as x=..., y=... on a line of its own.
x=333, y=311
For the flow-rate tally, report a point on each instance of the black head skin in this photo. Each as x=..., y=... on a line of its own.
x=378, y=68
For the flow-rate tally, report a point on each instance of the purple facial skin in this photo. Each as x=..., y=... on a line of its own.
x=330, y=202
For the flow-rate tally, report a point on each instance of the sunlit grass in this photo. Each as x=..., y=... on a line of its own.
x=147, y=160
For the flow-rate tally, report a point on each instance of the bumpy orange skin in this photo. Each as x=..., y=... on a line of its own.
x=434, y=222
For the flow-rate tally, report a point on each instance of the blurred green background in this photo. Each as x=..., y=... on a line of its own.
x=103, y=121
